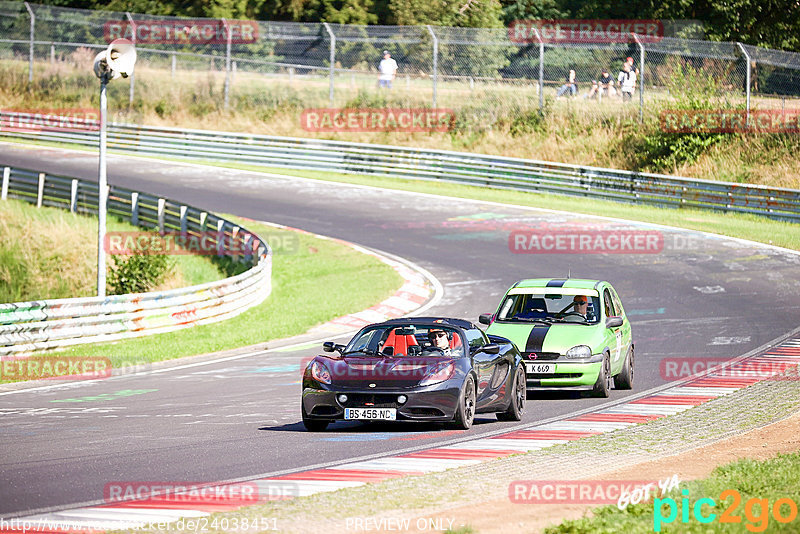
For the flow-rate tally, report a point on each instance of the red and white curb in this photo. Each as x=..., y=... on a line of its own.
x=688, y=394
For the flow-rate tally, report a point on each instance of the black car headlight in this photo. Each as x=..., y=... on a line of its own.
x=320, y=373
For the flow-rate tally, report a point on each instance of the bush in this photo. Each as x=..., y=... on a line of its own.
x=695, y=90
x=529, y=122
x=137, y=273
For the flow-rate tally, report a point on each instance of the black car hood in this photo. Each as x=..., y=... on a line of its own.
x=385, y=372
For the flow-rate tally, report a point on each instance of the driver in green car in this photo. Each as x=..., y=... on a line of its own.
x=581, y=304
x=580, y=307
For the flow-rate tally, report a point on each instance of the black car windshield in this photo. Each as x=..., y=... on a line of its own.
x=407, y=340
x=550, y=308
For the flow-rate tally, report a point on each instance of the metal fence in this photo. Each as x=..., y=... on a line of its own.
x=58, y=323
x=336, y=65
x=440, y=165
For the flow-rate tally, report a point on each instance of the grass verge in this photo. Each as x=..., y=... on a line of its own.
x=50, y=253
x=490, y=117
x=313, y=280
x=756, y=487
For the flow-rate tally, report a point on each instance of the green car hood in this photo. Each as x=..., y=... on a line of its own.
x=555, y=338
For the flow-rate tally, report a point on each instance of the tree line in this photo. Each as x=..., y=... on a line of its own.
x=767, y=23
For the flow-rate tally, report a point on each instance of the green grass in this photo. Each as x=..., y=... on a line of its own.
x=764, y=481
x=313, y=281
x=50, y=253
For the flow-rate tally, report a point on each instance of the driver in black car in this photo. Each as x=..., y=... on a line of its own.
x=441, y=340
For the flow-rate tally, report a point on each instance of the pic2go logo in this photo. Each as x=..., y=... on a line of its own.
x=756, y=511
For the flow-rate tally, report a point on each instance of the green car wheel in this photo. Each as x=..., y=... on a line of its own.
x=602, y=388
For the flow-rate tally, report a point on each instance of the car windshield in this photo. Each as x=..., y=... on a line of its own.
x=550, y=308
x=407, y=340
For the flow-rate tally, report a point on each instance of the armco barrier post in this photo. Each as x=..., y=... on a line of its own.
x=6, y=178
x=40, y=190
x=135, y=208
x=332, y=61
x=73, y=196
x=30, y=52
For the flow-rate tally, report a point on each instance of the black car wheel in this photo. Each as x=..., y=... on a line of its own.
x=314, y=425
x=465, y=413
x=602, y=387
x=519, y=392
x=624, y=380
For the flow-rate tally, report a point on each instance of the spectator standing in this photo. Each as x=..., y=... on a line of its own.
x=629, y=61
x=388, y=69
x=627, y=82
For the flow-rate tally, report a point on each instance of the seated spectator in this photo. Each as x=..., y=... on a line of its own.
x=570, y=86
x=604, y=85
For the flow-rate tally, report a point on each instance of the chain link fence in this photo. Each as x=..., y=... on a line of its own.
x=321, y=64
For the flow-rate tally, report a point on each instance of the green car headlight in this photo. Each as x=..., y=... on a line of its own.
x=579, y=351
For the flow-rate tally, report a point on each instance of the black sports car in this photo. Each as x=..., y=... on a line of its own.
x=421, y=369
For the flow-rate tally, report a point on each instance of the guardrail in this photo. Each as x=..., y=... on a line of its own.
x=414, y=163
x=48, y=324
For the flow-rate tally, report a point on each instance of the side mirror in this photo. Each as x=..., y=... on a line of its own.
x=485, y=318
x=614, y=322
x=330, y=346
x=491, y=348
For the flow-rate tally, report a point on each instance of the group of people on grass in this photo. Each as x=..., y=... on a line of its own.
x=626, y=81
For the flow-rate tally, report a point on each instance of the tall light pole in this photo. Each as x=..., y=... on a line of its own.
x=117, y=60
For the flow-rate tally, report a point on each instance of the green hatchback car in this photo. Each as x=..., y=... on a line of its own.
x=572, y=333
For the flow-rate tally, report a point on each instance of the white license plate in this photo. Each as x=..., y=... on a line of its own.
x=540, y=368
x=386, y=414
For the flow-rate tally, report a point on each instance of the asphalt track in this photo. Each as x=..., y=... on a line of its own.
x=701, y=296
